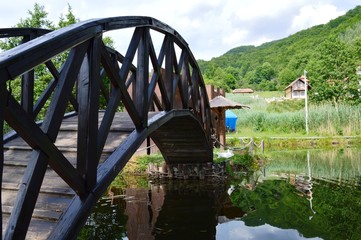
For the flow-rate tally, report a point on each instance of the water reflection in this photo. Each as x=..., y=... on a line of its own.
x=310, y=193
x=301, y=195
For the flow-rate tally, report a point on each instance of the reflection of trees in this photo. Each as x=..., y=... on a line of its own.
x=107, y=220
x=340, y=208
x=279, y=204
x=341, y=165
x=335, y=187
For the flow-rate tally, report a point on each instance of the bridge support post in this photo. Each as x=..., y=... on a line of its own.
x=88, y=98
x=2, y=106
x=27, y=86
x=27, y=92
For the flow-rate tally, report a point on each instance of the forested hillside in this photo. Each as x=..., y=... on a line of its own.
x=331, y=54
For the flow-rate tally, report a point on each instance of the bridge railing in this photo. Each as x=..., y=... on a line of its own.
x=85, y=72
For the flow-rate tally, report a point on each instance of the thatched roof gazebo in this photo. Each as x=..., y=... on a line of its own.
x=219, y=105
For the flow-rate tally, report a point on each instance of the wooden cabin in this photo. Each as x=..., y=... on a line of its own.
x=296, y=89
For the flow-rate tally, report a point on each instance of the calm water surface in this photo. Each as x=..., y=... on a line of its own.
x=305, y=194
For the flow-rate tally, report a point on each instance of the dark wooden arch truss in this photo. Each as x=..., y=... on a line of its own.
x=89, y=78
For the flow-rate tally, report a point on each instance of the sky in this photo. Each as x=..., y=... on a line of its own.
x=210, y=27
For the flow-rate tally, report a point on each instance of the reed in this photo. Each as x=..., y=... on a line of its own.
x=288, y=117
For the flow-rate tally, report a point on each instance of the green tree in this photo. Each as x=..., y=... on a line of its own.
x=263, y=72
x=286, y=76
x=69, y=18
x=333, y=73
x=36, y=19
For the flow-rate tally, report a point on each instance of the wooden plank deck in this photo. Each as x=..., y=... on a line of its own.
x=55, y=194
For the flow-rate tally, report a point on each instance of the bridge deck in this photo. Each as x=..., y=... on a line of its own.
x=55, y=194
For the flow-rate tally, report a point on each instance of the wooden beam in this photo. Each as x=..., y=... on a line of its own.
x=118, y=79
x=27, y=84
x=27, y=91
x=155, y=76
x=168, y=78
x=140, y=90
x=37, y=139
x=88, y=99
x=57, y=107
x=3, y=101
x=161, y=78
x=195, y=92
x=104, y=90
x=107, y=120
x=185, y=78
x=49, y=89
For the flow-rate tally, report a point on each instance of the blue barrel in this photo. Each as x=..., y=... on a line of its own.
x=231, y=120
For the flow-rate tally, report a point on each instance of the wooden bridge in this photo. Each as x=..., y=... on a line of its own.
x=68, y=143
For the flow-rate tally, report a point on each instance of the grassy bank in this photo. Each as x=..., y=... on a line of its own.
x=271, y=116
x=293, y=142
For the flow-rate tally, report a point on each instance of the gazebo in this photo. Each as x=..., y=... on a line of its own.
x=219, y=105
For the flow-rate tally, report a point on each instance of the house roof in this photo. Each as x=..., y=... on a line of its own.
x=242, y=90
x=302, y=79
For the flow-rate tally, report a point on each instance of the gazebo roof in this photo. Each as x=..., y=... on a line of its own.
x=223, y=103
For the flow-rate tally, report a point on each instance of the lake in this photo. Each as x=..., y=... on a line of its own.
x=298, y=194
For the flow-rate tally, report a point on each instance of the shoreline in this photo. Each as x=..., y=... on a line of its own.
x=302, y=141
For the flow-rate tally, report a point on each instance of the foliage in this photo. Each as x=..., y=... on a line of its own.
x=240, y=162
x=97, y=225
x=334, y=72
x=243, y=160
x=232, y=141
x=139, y=164
x=286, y=106
x=38, y=19
x=330, y=53
x=69, y=18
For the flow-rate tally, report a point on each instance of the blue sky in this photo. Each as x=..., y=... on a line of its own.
x=211, y=27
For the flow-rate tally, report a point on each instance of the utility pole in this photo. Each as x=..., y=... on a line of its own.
x=306, y=104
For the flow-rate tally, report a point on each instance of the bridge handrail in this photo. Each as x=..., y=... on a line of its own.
x=25, y=57
x=178, y=82
x=20, y=59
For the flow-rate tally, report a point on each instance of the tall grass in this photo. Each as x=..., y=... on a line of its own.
x=288, y=117
x=263, y=121
x=340, y=120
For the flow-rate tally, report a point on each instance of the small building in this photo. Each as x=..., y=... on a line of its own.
x=296, y=89
x=243, y=90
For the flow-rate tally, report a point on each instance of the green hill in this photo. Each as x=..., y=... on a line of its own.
x=330, y=52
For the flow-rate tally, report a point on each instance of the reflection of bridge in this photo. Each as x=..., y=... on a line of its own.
x=176, y=209
x=54, y=170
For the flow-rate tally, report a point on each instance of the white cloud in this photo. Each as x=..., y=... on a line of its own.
x=312, y=15
x=233, y=230
x=235, y=37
